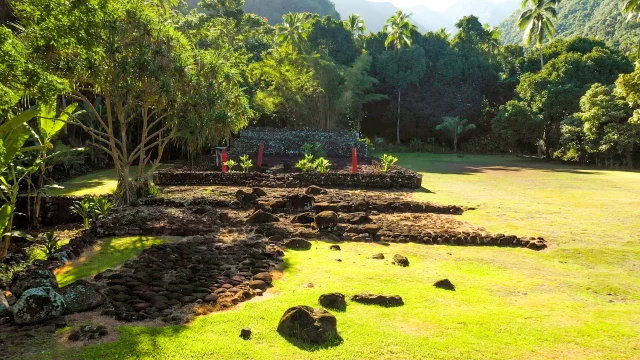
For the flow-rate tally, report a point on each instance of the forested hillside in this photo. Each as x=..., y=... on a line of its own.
x=595, y=18
x=274, y=9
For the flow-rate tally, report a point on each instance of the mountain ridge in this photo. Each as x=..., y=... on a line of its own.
x=601, y=19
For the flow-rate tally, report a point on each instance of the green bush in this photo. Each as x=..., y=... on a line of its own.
x=245, y=163
x=387, y=162
x=84, y=209
x=230, y=164
x=49, y=242
x=307, y=164
x=91, y=209
x=322, y=165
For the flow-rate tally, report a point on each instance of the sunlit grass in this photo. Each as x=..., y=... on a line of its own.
x=108, y=253
x=577, y=300
x=96, y=183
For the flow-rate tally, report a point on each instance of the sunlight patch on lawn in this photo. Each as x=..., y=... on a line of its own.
x=107, y=254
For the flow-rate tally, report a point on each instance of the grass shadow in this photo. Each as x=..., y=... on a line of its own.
x=337, y=341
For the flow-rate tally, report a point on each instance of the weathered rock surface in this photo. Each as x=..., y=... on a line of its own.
x=297, y=244
x=400, y=260
x=304, y=218
x=445, y=284
x=326, y=221
x=333, y=301
x=335, y=247
x=262, y=217
x=382, y=300
x=81, y=296
x=4, y=305
x=378, y=256
x=33, y=279
x=315, y=190
x=87, y=332
x=37, y=305
x=308, y=325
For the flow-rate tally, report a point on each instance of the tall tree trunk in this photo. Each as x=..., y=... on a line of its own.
x=398, y=124
x=630, y=160
x=541, y=58
x=455, y=144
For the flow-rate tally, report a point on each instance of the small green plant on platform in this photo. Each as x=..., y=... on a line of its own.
x=84, y=209
x=245, y=163
x=387, y=162
x=230, y=164
x=307, y=164
x=322, y=165
x=102, y=206
x=50, y=242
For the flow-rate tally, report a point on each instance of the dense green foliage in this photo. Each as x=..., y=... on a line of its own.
x=273, y=10
x=601, y=19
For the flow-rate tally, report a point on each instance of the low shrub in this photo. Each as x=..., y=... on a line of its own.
x=230, y=164
x=245, y=163
x=387, y=162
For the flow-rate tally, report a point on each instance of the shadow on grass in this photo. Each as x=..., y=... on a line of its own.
x=314, y=347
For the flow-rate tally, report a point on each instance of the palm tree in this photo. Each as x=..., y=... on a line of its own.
x=537, y=22
x=632, y=9
x=399, y=28
x=443, y=34
x=293, y=31
x=455, y=127
x=494, y=39
x=355, y=24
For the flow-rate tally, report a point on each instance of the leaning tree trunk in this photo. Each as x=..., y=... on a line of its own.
x=398, y=124
x=541, y=58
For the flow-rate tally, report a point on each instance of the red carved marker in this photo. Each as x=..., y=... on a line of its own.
x=354, y=161
x=260, y=152
x=224, y=160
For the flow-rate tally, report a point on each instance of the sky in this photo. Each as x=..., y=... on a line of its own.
x=437, y=5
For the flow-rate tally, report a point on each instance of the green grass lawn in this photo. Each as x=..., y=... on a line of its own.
x=96, y=183
x=577, y=300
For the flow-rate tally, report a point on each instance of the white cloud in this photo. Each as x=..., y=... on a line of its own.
x=436, y=5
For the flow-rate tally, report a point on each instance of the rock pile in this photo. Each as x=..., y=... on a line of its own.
x=167, y=277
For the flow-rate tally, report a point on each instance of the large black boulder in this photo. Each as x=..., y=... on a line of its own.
x=326, y=221
x=37, y=305
x=33, y=279
x=81, y=296
x=308, y=325
x=262, y=217
x=333, y=301
x=382, y=300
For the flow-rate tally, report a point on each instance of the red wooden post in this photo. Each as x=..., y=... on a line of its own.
x=260, y=152
x=224, y=160
x=354, y=161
